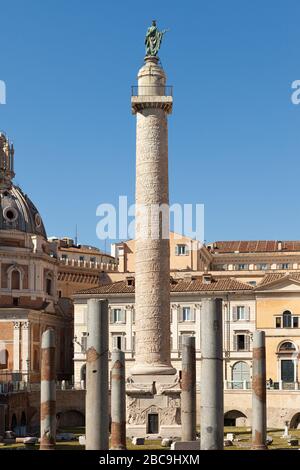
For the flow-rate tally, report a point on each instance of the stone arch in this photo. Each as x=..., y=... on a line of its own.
x=235, y=418
x=295, y=421
x=70, y=418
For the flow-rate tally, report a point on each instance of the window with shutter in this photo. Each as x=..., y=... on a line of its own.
x=234, y=313
x=111, y=316
x=247, y=343
x=193, y=316
x=176, y=250
x=247, y=313
x=83, y=343
x=122, y=316
x=235, y=342
x=180, y=315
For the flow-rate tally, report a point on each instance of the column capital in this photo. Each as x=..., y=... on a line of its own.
x=175, y=306
x=16, y=324
x=25, y=325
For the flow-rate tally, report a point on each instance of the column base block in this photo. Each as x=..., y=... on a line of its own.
x=153, y=406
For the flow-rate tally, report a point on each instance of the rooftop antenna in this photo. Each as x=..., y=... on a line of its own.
x=76, y=235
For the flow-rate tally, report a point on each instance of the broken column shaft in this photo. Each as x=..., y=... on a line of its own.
x=188, y=389
x=259, y=414
x=48, y=391
x=118, y=401
x=97, y=413
x=212, y=396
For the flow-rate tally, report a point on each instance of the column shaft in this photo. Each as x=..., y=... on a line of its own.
x=212, y=397
x=48, y=391
x=118, y=401
x=259, y=411
x=97, y=413
x=188, y=390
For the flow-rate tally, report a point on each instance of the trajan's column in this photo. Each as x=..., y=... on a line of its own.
x=154, y=402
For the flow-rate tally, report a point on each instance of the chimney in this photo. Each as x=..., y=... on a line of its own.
x=207, y=278
x=130, y=281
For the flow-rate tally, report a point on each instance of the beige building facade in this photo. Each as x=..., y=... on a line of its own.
x=260, y=290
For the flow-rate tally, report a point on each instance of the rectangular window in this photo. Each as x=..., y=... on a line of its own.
x=242, y=267
x=84, y=342
x=262, y=266
x=119, y=342
x=241, y=342
x=93, y=259
x=64, y=257
x=283, y=266
x=278, y=322
x=118, y=315
x=241, y=313
x=295, y=322
x=186, y=314
x=81, y=258
x=181, y=250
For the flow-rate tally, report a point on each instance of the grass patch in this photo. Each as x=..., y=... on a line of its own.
x=243, y=434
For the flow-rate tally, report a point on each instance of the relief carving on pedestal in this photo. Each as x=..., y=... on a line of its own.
x=167, y=416
x=134, y=414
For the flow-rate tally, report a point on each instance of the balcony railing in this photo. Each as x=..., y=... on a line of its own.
x=152, y=90
x=247, y=385
x=21, y=386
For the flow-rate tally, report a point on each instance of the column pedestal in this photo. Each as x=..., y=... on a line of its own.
x=153, y=406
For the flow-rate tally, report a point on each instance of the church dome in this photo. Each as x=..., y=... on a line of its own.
x=17, y=212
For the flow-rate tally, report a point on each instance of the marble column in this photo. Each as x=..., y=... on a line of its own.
x=16, y=346
x=25, y=346
x=152, y=250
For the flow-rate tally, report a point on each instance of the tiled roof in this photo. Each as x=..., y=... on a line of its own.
x=180, y=285
x=255, y=246
x=269, y=278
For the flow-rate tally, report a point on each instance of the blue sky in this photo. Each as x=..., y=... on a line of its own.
x=233, y=135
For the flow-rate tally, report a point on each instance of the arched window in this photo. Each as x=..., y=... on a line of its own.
x=3, y=359
x=286, y=353
x=287, y=347
x=16, y=279
x=49, y=284
x=240, y=374
x=287, y=319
